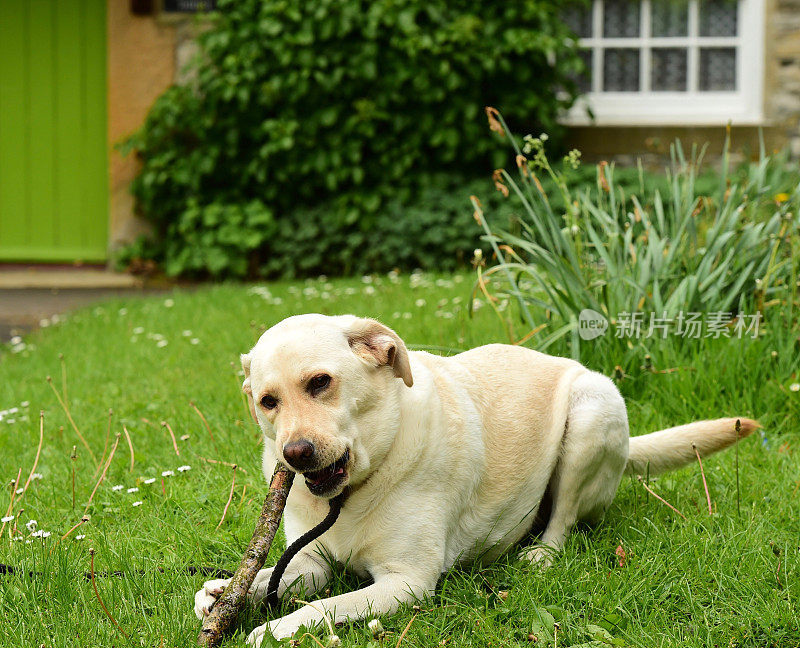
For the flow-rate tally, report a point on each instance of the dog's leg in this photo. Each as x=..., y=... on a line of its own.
x=595, y=448
x=384, y=596
x=306, y=574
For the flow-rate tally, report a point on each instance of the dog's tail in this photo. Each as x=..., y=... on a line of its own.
x=672, y=448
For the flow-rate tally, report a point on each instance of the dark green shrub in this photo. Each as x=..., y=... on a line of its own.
x=353, y=104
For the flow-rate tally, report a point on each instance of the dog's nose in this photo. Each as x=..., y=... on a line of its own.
x=299, y=454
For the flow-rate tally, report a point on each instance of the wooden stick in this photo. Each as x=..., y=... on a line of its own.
x=227, y=607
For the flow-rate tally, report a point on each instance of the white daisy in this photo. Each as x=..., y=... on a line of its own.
x=184, y=468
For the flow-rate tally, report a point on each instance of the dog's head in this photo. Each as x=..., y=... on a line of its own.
x=324, y=389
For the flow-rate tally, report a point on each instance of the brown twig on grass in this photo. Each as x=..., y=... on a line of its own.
x=103, y=474
x=227, y=607
x=38, y=452
x=241, y=499
x=130, y=444
x=738, y=429
x=230, y=497
x=405, y=630
x=658, y=497
x=703, y=474
x=208, y=427
x=83, y=520
x=73, y=456
x=100, y=600
x=222, y=463
x=13, y=531
x=65, y=407
x=63, y=376
x=14, y=487
x=172, y=434
x=105, y=443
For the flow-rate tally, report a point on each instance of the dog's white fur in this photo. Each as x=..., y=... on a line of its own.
x=448, y=463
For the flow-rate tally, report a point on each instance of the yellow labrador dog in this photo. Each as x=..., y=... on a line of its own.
x=446, y=459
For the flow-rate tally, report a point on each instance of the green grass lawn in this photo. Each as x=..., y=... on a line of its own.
x=644, y=577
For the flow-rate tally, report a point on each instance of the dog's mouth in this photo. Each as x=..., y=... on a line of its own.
x=328, y=479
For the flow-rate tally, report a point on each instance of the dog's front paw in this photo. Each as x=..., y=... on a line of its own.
x=255, y=638
x=541, y=557
x=282, y=628
x=271, y=629
x=205, y=598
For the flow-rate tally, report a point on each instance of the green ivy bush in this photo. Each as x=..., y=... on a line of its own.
x=314, y=122
x=436, y=232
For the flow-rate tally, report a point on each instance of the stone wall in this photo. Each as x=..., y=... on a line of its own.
x=146, y=54
x=782, y=73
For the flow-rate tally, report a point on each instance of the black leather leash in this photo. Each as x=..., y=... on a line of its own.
x=305, y=539
x=189, y=569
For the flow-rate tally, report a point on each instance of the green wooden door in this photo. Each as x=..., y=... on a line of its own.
x=53, y=159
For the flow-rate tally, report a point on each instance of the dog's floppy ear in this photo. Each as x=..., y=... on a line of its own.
x=379, y=345
x=246, y=388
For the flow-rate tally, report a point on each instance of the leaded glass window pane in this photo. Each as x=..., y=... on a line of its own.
x=621, y=70
x=584, y=80
x=717, y=69
x=620, y=18
x=668, y=69
x=669, y=18
x=579, y=19
x=718, y=17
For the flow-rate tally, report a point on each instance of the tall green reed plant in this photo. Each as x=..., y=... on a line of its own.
x=647, y=252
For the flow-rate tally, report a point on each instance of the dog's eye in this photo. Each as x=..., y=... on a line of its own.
x=318, y=384
x=269, y=402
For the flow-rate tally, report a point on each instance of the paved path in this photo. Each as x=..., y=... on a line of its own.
x=29, y=295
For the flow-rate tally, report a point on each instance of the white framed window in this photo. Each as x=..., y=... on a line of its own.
x=692, y=62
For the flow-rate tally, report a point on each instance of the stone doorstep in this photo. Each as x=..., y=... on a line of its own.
x=64, y=279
